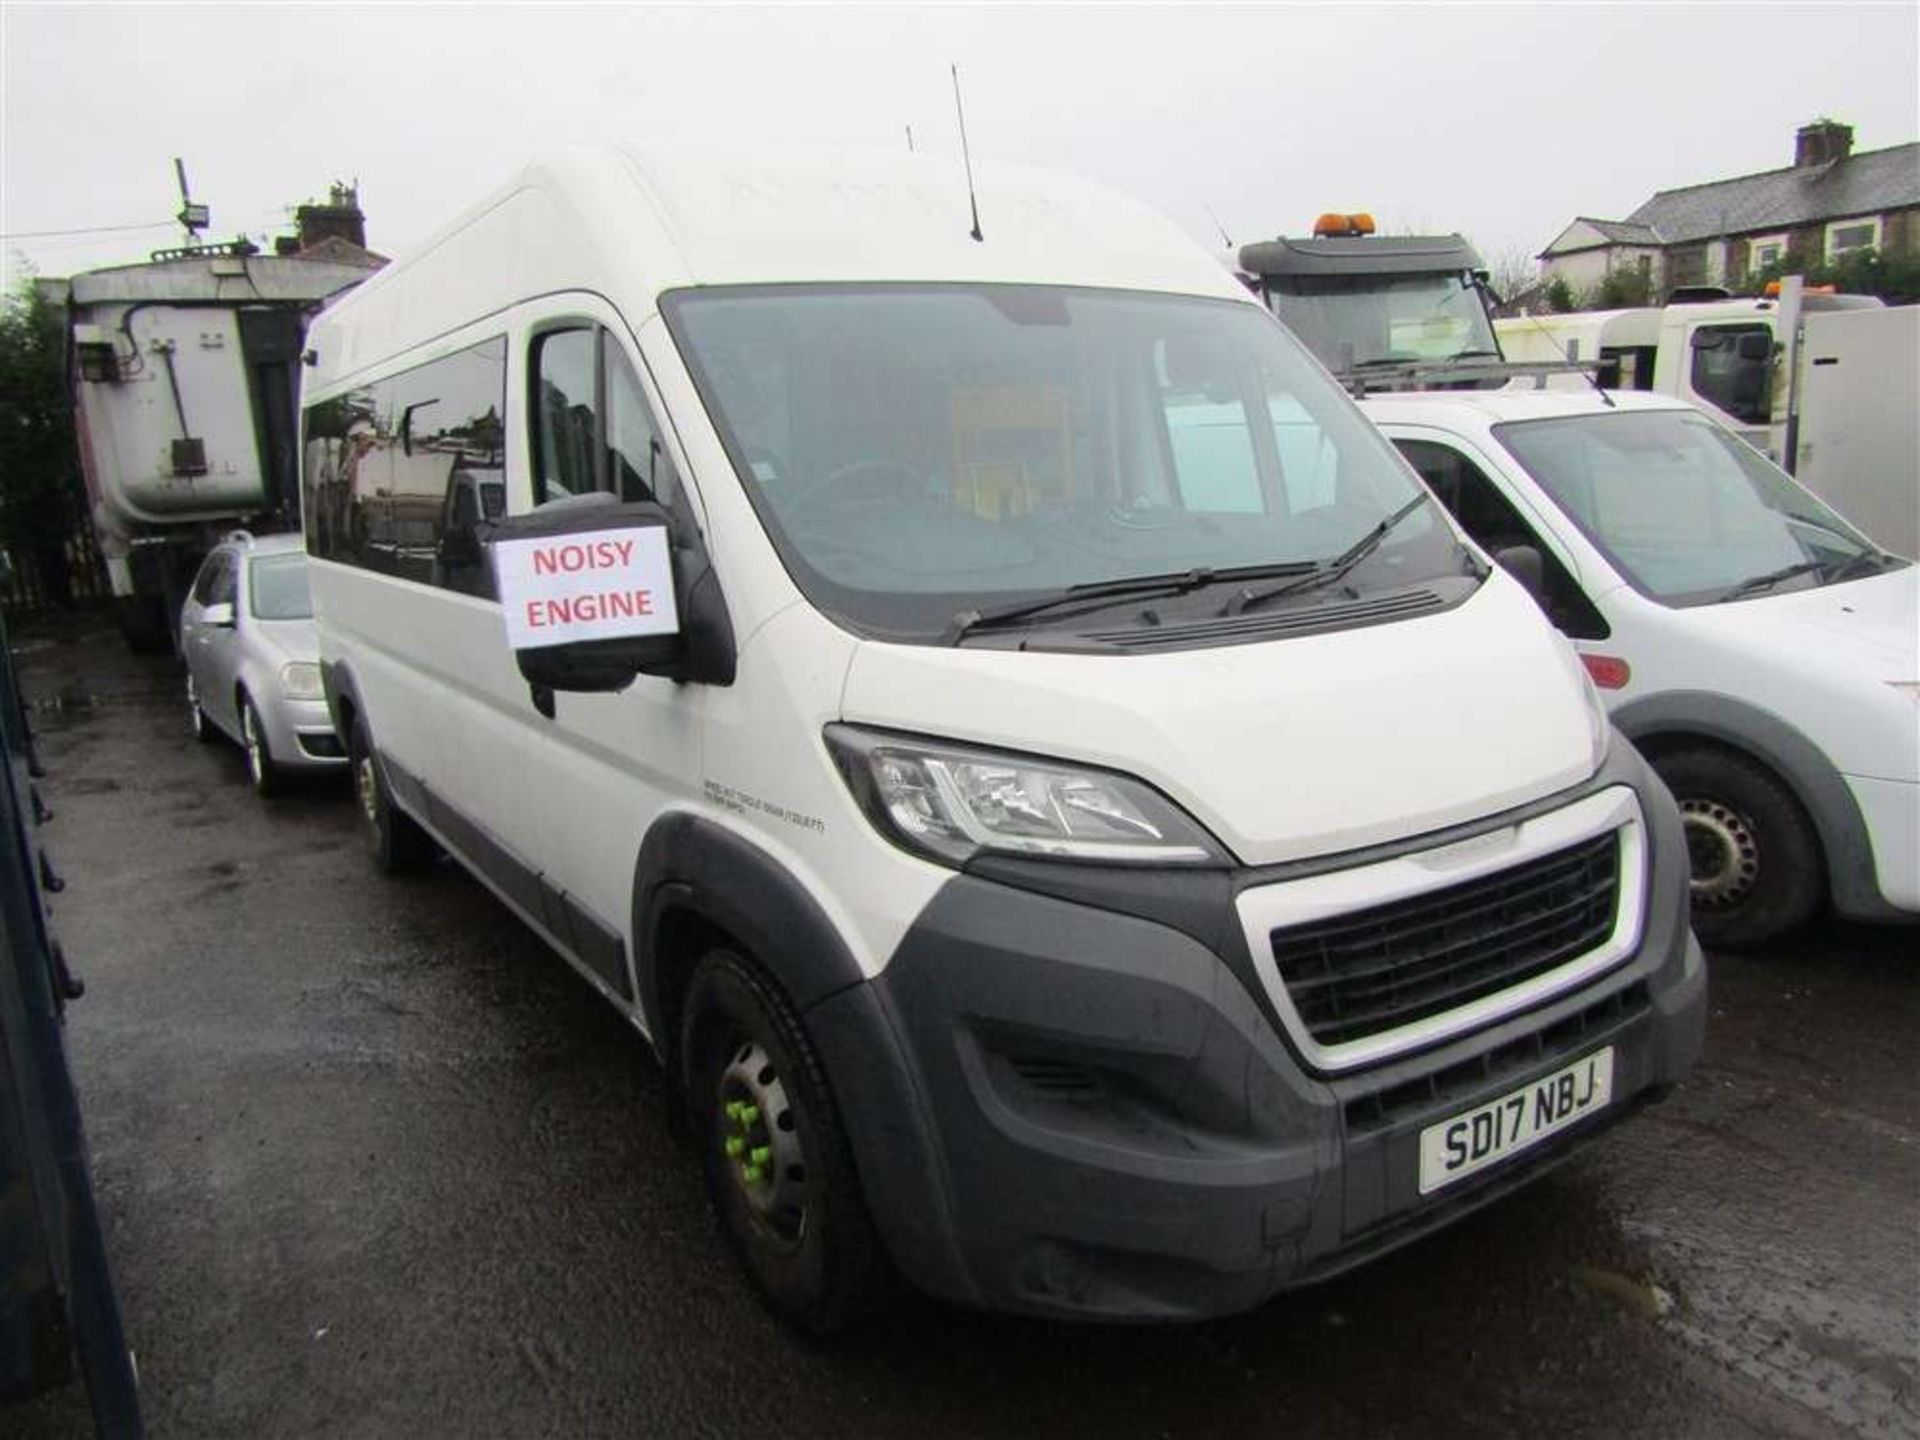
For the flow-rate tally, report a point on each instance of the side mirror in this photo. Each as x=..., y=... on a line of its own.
x=1755, y=345
x=1524, y=564
x=219, y=616
x=596, y=592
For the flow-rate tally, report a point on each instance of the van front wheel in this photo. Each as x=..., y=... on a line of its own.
x=1755, y=859
x=397, y=844
x=778, y=1170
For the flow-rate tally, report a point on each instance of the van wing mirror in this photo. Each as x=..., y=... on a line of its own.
x=587, y=590
x=1524, y=563
x=1755, y=345
x=595, y=591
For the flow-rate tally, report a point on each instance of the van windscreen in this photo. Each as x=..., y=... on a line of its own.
x=916, y=451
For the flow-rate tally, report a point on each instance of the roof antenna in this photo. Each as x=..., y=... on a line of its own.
x=193, y=218
x=910, y=139
x=1225, y=239
x=966, y=155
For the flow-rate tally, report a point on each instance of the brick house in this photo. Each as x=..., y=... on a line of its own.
x=1829, y=201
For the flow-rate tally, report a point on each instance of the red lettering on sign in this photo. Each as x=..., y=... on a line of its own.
x=583, y=609
x=571, y=557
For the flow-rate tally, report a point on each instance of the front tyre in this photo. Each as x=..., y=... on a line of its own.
x=395, y=841
x=197, y=717
x=1757, y=872
x=263, y=774
x=778, y=1169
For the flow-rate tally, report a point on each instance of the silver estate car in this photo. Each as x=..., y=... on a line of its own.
x=253, y=658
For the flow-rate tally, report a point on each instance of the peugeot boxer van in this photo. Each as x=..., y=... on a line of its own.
x=1079, y=826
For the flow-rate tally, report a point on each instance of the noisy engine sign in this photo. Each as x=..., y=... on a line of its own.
x=594, y=585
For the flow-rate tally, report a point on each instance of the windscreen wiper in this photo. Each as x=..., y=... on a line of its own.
x=1333, y=569
x=1754, y=584
x=1095, y=594
x=1855, y=564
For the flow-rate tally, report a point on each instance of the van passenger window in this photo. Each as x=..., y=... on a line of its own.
x=1495, y=524
x=641, y=467
x=564, y=413
x=399, y=474
x=593, y=428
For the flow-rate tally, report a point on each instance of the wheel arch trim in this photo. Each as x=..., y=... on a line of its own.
x=1678, y=717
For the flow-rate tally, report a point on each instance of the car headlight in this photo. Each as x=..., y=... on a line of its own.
x=951, y=802
x=301, y=681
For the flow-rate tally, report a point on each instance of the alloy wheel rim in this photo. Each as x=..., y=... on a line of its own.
x=364, y=788
x=1723, y=852
x=250, y=735
x=758, y=1133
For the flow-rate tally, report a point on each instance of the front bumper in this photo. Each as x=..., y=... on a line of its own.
x=1061, y=1109
x=1890, y=810
x=301, y=735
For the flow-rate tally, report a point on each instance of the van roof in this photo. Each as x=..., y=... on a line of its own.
x=635, y=221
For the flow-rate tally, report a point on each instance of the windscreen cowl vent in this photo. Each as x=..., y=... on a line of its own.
x=1272, y=624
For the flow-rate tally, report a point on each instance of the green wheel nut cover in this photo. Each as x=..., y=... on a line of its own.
x=735, y=1147
x=760, y=1154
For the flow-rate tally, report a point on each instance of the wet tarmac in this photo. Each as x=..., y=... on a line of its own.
x=373, y=1163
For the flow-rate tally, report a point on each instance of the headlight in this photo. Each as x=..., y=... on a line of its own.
x=301, y=681
x=950, y=802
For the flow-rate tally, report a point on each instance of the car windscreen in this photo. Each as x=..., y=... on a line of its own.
x=1688, y=512
x=277, y=587
x=918, y=451
x=1354, y=321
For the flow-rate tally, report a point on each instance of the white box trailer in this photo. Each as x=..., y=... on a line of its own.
x=1824, y=385
x=184, y=373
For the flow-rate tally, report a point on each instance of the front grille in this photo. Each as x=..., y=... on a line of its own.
x=1375, y=970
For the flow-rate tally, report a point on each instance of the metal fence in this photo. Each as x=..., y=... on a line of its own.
x=31, y=581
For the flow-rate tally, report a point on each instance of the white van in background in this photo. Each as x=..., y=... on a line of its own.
x=1761, y=652
x=1076, y=822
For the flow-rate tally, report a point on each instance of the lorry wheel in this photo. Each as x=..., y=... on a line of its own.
x=778, y=1170
x=262, y=773
x=394, y=839
x=1756, y=862
x=196, y=717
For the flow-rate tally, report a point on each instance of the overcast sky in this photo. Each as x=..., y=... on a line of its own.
x=1500, y=121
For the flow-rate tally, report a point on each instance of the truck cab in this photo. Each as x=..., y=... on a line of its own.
x=1363, y=302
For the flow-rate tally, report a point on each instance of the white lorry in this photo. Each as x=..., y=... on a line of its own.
x=1825, y=385
x=184, y=370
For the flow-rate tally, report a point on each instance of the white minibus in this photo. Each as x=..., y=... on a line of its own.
x=1080, y=827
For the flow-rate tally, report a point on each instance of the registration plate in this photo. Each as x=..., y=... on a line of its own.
x=1488, y=1134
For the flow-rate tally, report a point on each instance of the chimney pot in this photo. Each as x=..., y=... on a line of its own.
x=1821, y=142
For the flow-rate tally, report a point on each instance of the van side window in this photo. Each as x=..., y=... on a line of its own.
x=641, y=468
x=593, y=429
x=565, y=413
x=399, y=475
x=1491, y=519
